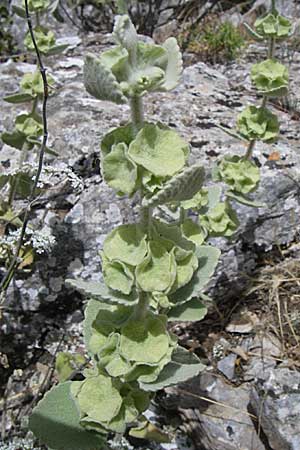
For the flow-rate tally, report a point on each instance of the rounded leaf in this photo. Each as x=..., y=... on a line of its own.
x=62, y=431
x=270, y=78
x=158, y=271
x=119, y=171
x=98, y=399
x=273, y=25
x=127, y=243
x=193, y=231
x=258, y=124
x=159, y=150
x=221, y=220
x=239, y=173
x=144, y=341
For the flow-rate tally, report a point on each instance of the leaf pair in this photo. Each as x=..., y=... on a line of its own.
x=132, y=68
x=152, y=156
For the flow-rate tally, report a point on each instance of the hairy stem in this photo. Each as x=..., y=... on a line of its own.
x=122, y=7
x=273, y=7
x=137, y=113
x=142, y=306
x=182, y=215
x=137, y=118
x=34, y=104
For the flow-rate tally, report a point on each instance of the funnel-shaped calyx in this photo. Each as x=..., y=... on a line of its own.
x=132, y=68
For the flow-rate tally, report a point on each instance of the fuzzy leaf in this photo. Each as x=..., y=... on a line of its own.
x=90, y=314
x=270, y=78
x=100, y=82
x=66, y=363
x=28, y=125
x=144, y=341
x=240, y=198
x=173, y=69
x=119, y=171
x=45, y=39
x=193, y=231
x=56, y=49
x=181, y=187
x=191, y=311
x=127, y=243
x=119, y=135
x=18, y=97
x=125, y=34
x=98, y=398
x=159, y=150
x=185, y=268
x=184, y=365
x=273, y=25
x=95, y=289
x=208, y=259
x=220, y=220
x=198, y=201
x=117, y=276
x=15, y=139
x=62, y=431
x=240, y=174
x=252, y=33
x=150, y=432
x=258, y=123
x=157, y=271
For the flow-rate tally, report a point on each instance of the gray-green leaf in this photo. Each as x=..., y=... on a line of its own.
x=191, y=311
x=55, y=421
x=181, y=187
x=100, y=82
x=184, y=365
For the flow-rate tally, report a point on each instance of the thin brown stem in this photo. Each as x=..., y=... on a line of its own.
x=14, y=263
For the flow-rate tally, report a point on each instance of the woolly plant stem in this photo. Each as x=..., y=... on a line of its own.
x=137, y=119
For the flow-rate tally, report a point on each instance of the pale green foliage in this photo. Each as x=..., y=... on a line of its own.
x=132, y=68
x=153, y=271
x=270, y=78
x=221, y=220
x=181, y=187
x=32, y=83
x=240, y=174
x=36, y=5
x=208, y=258
x=193, y=231
x=273, y=25
x=184, y=365
x=119, y=171
x=100, y=82
x=258, y=123
x=190, y=311
x=152, y=148
x=45, y=39
x=66, y=364
x=62, y=431
x=28, y=125
x=101, y=291
x=157, y=272
x=126, y=243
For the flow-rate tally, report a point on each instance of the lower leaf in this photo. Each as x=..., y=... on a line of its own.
x=55, y=421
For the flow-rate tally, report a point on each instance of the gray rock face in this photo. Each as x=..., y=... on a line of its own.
x=223, y=421
x=277, y=401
